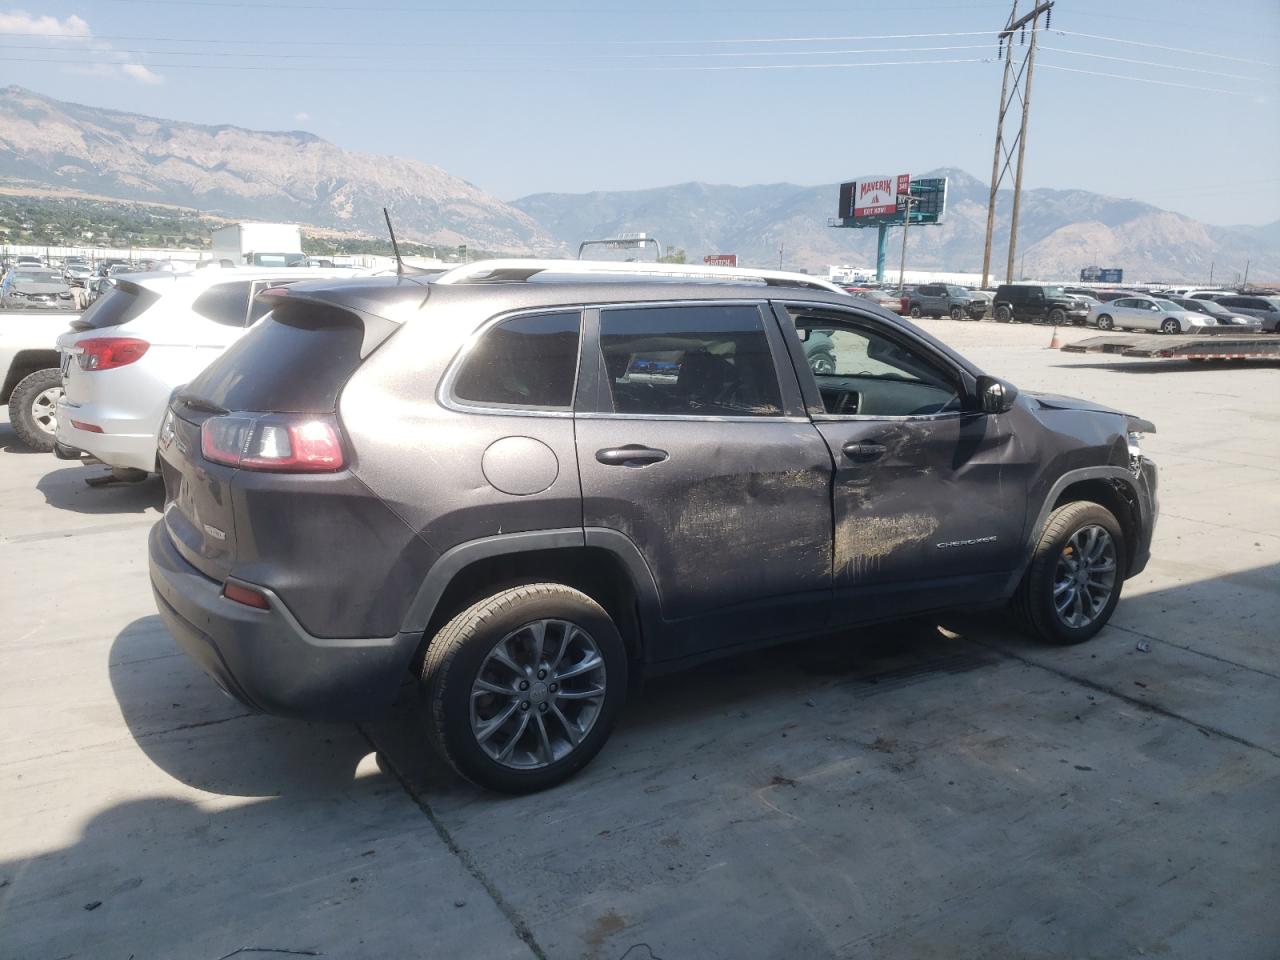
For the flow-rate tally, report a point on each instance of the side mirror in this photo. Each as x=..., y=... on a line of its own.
x=996, y=396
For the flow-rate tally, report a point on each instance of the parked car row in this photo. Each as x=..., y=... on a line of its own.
x=525, y=486
x=1189, y=314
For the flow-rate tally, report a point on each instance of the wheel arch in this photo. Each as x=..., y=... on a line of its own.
x=1110, y=487
x=23, y=364
x=604, y=564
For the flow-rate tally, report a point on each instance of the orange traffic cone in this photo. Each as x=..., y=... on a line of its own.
x=1055, y=343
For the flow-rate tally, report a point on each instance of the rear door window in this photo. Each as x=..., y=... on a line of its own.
x=704, y=360
x=527, y=361
x=225, y=303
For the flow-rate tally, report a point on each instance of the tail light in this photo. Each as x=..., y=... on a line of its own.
x=107, y=353
x=276, y=442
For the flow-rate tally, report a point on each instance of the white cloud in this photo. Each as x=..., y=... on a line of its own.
x=21, y=22
x=140, y=73
x=73, y=32
x=302, y=116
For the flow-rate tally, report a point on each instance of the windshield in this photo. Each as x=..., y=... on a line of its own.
x=1054, y=292
x=1168, y=305
x=37, y=276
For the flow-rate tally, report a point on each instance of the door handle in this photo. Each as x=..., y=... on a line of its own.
x=631, y=455
x=863, y=449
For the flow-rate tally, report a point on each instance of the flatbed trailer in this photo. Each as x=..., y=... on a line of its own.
x=1219, y=346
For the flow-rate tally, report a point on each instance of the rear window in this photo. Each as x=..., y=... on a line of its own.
x=296, y=360
x=122, y=302
x=529, y=361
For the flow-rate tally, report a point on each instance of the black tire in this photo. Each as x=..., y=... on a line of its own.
x=1105, y=322
x=21, y=413
x=1034, y=600
x=457, y=653
x=1057, y=316
x=916, y=312
x=1003, y=314
x=957, y=313
x=1170, y=325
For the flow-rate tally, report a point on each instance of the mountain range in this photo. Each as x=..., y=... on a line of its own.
x=233, y=172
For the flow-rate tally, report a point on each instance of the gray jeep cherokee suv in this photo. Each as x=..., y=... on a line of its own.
x=531, y=489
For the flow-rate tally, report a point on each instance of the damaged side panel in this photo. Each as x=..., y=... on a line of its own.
x=735, y=523
x=935, y=512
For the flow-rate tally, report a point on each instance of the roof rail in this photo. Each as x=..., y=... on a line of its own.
x=518, y=271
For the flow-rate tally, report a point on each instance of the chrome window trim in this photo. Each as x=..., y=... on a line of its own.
x=911, y=417
x=444, y=392
x=691, y=416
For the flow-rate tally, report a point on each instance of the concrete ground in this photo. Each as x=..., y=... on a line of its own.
x=949, y=790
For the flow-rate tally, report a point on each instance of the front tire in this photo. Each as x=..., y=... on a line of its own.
x=525, y=686
x=1170, y=325
x=1105, y=322
x=915, y=311
x=957, y=313
x=1074, y=581
x=32, y=408
x=1057, y=316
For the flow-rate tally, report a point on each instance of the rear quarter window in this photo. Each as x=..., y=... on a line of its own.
x=225, y=303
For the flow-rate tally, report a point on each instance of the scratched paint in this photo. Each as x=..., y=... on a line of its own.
x=863, y=541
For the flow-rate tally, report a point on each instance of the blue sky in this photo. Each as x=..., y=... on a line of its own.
x=574, y=95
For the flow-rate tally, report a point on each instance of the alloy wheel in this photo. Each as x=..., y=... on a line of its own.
x=537, y=694
x=1085, y=576
x=44, y=410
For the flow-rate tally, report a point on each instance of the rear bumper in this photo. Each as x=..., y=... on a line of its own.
x=127, y=445
x=265, y=658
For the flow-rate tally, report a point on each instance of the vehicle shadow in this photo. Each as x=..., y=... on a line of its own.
x=10, y=443
x=65, y=488
x=1157, y=365
x=168, y=704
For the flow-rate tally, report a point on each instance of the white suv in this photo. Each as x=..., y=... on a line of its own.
x=150, y=333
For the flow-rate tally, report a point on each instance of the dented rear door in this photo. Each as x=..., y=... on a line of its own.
x=690, y=445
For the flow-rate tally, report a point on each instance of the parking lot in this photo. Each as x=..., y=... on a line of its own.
x=924, y=790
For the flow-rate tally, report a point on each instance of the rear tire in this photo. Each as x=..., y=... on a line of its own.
x=1105, y=322
x=469, y=686
x=31, y=408
x=1003, y=314
x=1061, y=569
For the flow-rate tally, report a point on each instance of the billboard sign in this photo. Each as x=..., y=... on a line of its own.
x=1102, y=275
x=721, y=260
x=872, y=196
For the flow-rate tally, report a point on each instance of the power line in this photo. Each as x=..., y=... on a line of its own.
x=1162, y=83
x=524, y=9
x=609, y=56
x=664, y=68
x=1157, y=46
x=550, y=43
x=1164, y=66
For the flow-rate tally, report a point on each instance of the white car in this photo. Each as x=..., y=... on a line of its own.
x=150, y=333
x=1147, y=313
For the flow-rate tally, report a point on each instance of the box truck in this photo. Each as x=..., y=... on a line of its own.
x=259, y=244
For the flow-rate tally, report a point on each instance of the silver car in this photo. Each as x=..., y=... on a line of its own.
x=1147, y=313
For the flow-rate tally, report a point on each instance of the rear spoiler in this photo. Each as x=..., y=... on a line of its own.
x=371, y=312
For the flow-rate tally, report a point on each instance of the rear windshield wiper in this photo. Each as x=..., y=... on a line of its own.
x=195, y=403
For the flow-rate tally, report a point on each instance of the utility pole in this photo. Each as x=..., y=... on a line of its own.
x=781, y=246
x=1019, y=89
x=908, y=200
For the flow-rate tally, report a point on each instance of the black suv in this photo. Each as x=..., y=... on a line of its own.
x=945, y=300
x=530, y=488
x=1038, y=302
